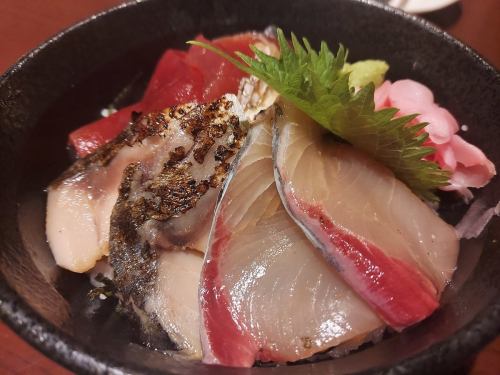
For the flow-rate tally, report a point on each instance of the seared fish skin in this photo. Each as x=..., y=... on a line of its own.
x=157, y=192
x=80, y=201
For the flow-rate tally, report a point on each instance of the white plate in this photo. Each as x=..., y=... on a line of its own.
x=421, y=6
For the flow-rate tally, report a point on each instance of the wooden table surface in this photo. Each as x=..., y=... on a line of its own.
x=26, y=23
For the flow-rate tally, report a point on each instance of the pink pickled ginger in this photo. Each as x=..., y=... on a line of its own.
x=469, y=165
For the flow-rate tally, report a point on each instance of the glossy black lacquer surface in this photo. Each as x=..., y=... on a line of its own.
x=66, y=82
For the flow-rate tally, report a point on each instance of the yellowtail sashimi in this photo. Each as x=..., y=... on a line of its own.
x=387, y=244
x=266, y=294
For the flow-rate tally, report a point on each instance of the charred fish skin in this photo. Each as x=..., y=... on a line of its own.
x=151, y=124
x=80, y=201
x=344, y=201
x=153, y=194
x=132, y=259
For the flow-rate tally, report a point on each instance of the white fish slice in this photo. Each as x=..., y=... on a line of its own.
x=266, y=294
x=387, y=244
x=163, y=208
x=80, y=202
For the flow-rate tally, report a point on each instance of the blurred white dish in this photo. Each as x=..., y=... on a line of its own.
x=420, y=6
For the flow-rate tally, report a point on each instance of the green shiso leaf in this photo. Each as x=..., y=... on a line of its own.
x=321, y=84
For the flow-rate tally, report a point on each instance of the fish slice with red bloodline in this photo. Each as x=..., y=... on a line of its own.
x=387, y=244
x=266, y=294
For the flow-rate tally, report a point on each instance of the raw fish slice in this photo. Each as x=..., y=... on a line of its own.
x=221, y=76
x=174, y=298
x=254, y=94
x=190, y=229
x=158, y=211
x=179, y=77
x=387, y=244
x=266, y=294
x=80, y=202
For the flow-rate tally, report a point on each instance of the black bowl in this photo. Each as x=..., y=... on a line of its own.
x=65, y=82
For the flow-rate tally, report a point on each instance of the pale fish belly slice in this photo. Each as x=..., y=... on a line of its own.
x=80, y=201
x=163, y=205
x=388, y=245
x=174, y=299
x=265, y=293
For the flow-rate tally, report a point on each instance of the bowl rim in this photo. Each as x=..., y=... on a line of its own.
x=70, y=353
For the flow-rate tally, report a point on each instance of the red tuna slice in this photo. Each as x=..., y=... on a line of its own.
x=388, y=245
x=179, y=78
x=90, y=137
x=266, y=294
x=173, y=82
x=170, y=59
x=221, y=76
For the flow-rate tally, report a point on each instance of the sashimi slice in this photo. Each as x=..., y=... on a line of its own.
x=162, y=209
x=266, y=294
x=387, y=244
x=170, y=60
x=80, y=202
x=88, y=138
x=173, y=82
x=179, y=77
x=220, y=75
x=174, y=299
